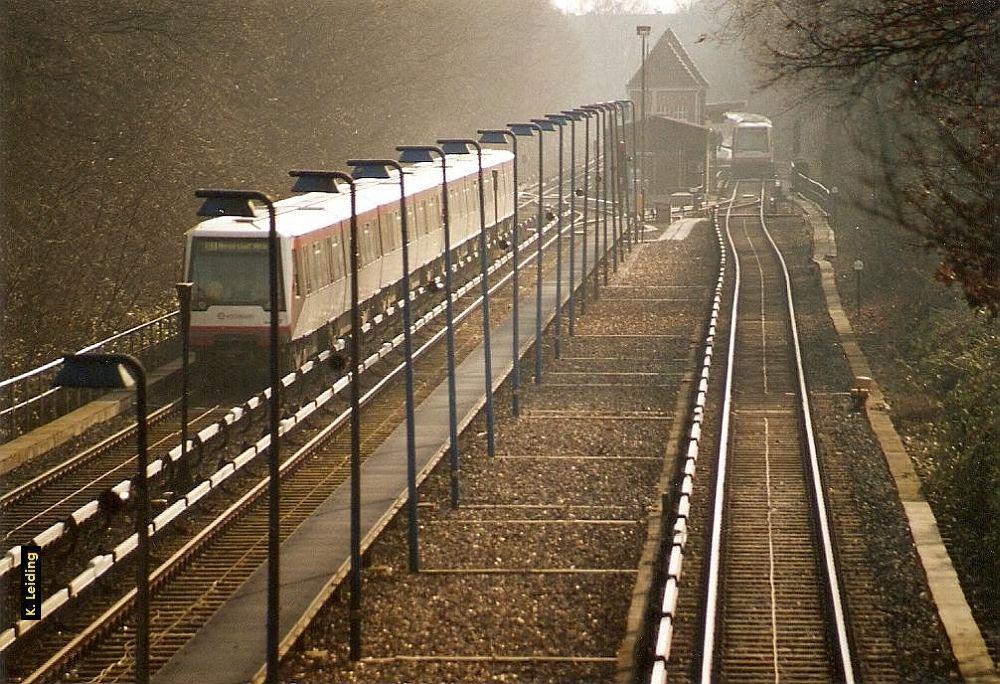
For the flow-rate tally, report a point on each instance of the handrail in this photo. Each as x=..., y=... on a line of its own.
x=96, y=345
x=28, y=400
x=812, y=188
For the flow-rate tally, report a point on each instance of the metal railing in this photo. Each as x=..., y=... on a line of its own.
x=29, y=400
x=812, y=189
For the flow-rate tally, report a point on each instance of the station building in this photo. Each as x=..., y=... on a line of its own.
x=679, y=144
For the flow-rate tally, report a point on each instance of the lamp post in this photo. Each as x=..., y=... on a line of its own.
x=602, y=165
x=379, y=168
x=124, y=371
x=623, y=208
x=425, y=153
x=559, y=120
x=636, y=219
x=643, y=32
x=612, y=178
x=184, y=299
x=500, y=136
x=614, y=155
x=543, y=125
x=460, y=146
x=573, y=115
x=587, y=113
x=528, y=129
x=325, y=181
x=238, y=203
x=594, y=110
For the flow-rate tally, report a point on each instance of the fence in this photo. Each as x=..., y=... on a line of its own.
x=812, y=189
x=29, y=400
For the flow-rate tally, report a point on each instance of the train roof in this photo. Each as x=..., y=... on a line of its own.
x=746, y=118
x=301, y=214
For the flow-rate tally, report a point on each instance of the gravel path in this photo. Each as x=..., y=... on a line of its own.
x=536, y=569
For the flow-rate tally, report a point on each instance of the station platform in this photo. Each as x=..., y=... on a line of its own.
x=42, y=439
x=231, y=646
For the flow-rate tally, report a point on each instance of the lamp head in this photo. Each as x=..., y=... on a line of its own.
x=523, y=129
x=544, y=124
x=95, y=371
x=454, y=146
x=314, y=181
x=224, y=203
x=414, y=154
x=493, y=137
x=368, y=169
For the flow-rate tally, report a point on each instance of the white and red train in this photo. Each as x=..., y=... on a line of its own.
x=752, y=145
x=226, y=257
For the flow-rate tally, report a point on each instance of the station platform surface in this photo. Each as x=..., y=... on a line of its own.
x=42, y=439
x=231, y=646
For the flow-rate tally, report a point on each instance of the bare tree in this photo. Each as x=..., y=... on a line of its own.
x=930, y=72
x=114, y=112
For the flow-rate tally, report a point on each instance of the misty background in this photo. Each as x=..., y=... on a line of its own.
x=113, y=113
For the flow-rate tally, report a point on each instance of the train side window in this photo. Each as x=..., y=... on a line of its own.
x=322, y=265
x=380, y=246
x=301, y=269
x=434, y=215
x=389, y=240
x=367, y=255
x=333, y=257
x=489, y=196
x=340, y=246
x=307, y=267
x=376, y=241
x=411, y=222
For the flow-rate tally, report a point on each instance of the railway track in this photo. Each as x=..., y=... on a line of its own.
x=32, y=507
x=773, y=607
x=200, y=577
x=33, y=504
x=97, y=463
x=182, y=600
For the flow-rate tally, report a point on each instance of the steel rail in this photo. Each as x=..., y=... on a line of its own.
x=816, y=497
x=74, y=464
x=715, y=546
x=819, y=499
x=80, y=459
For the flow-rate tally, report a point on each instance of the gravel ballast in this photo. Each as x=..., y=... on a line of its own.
x=531, y=578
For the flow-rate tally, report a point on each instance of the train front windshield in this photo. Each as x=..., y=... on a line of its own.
x=752, y=140
x=230, y=272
